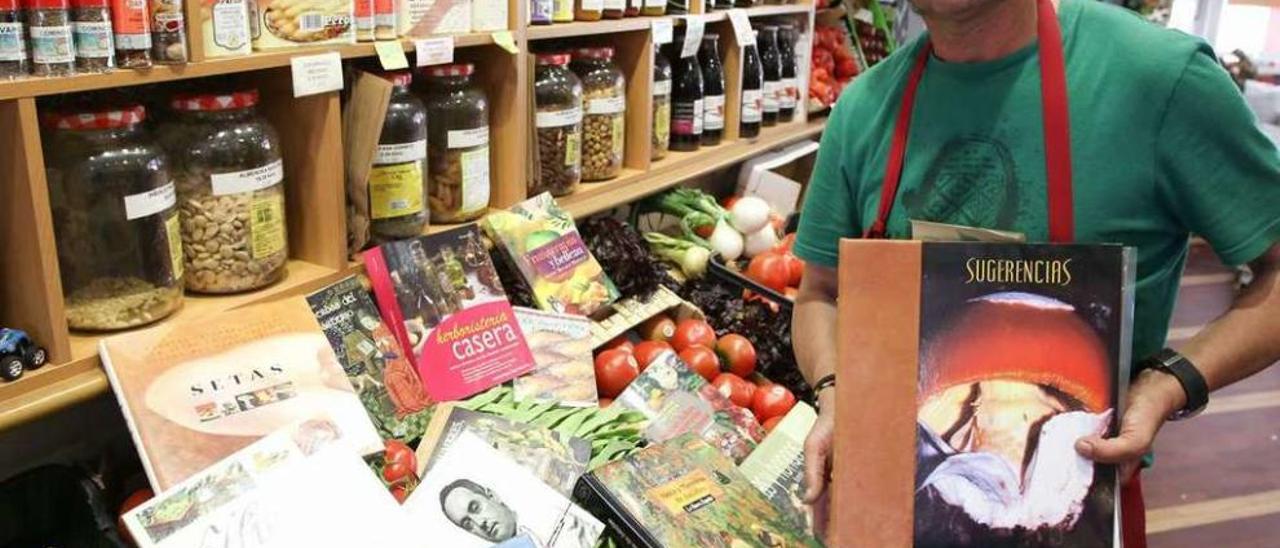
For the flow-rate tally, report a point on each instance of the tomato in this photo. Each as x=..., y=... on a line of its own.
x=772, y=401
x=737, y=355
x=397, y=471
x=397, y=451
x=400, y=491
x=702, y=361
x=733, y=387
x=657, y=328
x=772, y=423
x=605, y=402
x=795, y=269
x=728, y=201
x=787, y=242
x=648, y=351
x=621, y=341
x=769, y=270
x=615, y=369
x=691, y=332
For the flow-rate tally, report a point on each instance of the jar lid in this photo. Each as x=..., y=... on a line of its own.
x=594, y=53
x=193, y=102
x=399, y=78
x=48, y=4
x=710, y=36
x=9, y=5
x=83, y=3
x=456, y=69
x=560, y=58
x=104, y=119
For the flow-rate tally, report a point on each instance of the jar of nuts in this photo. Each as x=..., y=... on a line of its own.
x=114, y=218
x=230, y=179
x=605, y=112
x=397, y=182
x=457, y=144
x=661, y=134
x=558, y=98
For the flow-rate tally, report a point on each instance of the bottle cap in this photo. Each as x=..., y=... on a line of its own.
x=398, y=78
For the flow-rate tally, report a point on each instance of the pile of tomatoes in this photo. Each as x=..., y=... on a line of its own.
x=779, y=269
x=399, y=469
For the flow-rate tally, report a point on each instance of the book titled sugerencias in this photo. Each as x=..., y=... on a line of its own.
x=684, y=492
x=196, y=391
x=441, y=297
x=1004, y=355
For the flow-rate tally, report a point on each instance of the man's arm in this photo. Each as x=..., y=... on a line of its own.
x=813, y=334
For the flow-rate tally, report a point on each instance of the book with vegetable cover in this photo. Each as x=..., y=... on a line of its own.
x=441, y=297
x=1005, y=355
x=684, y=493
x=776, y=467
x=561, y=346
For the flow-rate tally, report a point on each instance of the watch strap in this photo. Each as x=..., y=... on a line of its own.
x=1193, y=384
x=824, y=383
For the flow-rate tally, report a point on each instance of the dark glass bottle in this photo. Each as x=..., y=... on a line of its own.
x=713, y=102
x=771, y=64
x=752, y=90
x=686, y=101
x=789, y=92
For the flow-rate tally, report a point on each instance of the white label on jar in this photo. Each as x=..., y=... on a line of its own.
x=558, y=118
x=788, y=93
x=662, y=89
x=714, y=107
x=133, y=41
x=655, y=3
x=150, y=202
x=615, y=4
x=698, y=112
x=52, y=45
x=400, y=153
x=752, y=100
x=475, y=179
x=771, y=90
x=592, y=5
x=247, y=180
x=467, y=138
x=230, y=24
x=93, y=40
x=13, y=45
x=611, y=105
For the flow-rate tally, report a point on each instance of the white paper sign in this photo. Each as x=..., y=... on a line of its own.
x=662, y=31
x=434, y=51
x=742, y=27
x=313, y=74
x=693, y=28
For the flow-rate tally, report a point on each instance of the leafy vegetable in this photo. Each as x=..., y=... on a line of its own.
x=691, y=257
x=623, y=254
x=696, y=209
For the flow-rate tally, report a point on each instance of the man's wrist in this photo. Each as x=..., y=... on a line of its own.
x=1166, y=388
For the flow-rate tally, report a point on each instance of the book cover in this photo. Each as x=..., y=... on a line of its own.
x=543, y=242
x=684, y=493
x=556, y=459
x=442, y=299
x=1009, y=353
x=375, y=364
x=776, y=467
x=196, y=391
x=678, y=401
x=561, y=346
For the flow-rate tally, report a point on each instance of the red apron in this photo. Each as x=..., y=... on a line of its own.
x=1057, y=141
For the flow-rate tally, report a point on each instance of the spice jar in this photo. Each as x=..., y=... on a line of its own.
x=687, y=94
x=457, y=144
x=225, y=28
x=561, y=11
x=168, y=32
x=114, y=218
x=52, y=46
x=654, y=7
x=789, y=90
x=661, y=135
x=13, y=41
x=771, y=63
x=588, y=10
x=92, y=35
x=132, y=25
x=558, y=99
x=397, y=182
x=752, y=98
x=540, y=12
x=604, y=121
x=230, y=179
x=615, y=9
x=713, y=89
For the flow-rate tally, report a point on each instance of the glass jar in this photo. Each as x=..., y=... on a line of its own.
x=713, y=103
x=13, y=41
x=686, y=101
x=789, y=90
x=115, y=219
x=540, y=12
x=53, y=50
x=654, y=7
x=615, y=9
x=457, y=144
x=397, y=181
x=604, y=91
x=92, y=36
x=752, y=99
x=588, y=10
x=633, y=8
x=558, y=99
x=562, y=11
x=661, y=135
x=132, y=26
x=771, y=63
x=230, y=178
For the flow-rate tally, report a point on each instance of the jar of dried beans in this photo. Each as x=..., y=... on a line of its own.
x=661, y=134
x=558, y=98
x=457, y=144
x=397, y=182
x=604, y=112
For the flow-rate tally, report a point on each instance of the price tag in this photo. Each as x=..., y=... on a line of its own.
x=434, y=51
x=313, y=74
x=662, y=30
x=693, y=28
x=505, y=41
x=391, y=54
x=742, y=27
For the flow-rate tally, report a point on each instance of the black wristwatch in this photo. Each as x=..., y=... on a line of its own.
x=1170, y=362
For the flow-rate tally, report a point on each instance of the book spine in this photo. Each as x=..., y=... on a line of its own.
x=105, y=355
x=594, y=497
x=384, y=292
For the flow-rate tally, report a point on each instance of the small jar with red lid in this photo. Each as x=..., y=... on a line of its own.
x=457, y=143
x=92, y=34
x=53, y=51
x=13, y=41
x=397, y=182
x=115, y=219
x=557, y=97
x=604, y=105
x=230, y=180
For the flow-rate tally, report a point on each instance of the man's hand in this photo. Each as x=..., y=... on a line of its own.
x=818, y=447
x=1152, y=398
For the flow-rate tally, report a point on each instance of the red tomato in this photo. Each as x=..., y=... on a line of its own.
x=400, y=491
x=691, y=332
x=619, y=342
x=134, y=500
x=397, y=451
x=769, y=270
x=397, y=471
x=795, y=269
x=737, y=355
x=737, y=390
x=704, y=231
x=605, y=402
x=787, y=242
x=772, y=401
x=615, y=369
x=647, y=351
x=702, y=361
x=772, y=423
x=657, y=328
x=728, y=201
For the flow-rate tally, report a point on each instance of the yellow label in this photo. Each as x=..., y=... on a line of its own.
x=266, y=225
x=618, y=129
x=391, y=54
x=395, y=190
x=572, y=148
x=687, y=494
x=174, y=233
x=662, y=122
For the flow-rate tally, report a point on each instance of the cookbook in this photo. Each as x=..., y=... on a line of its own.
x=776, y=467
x=561, y=346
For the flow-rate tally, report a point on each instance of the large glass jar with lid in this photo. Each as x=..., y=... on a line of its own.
x=713, y=103
x=115, y=219
x=661, y=135
x=398, y=179
x=457, y=144
x=558, y=100
x=604, y=102
x=588, y=10
x=230, y=179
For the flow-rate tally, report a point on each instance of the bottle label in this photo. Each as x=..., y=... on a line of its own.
x=771, y=90
x=714, y=117
x=662, y=122
x=93, y=40
x=619, y=130
x=683, y=115
x=468, y=138
x=132, y=26
x=662, y=89
x=400, y=153
x=699, y=111
x=51, y=45
x=752, y=105
x=475, y=179
x=558, y=118
x=395, y=190
x=572, y=148
x=610, y=105
x=266, y=225
x=248, y=180
x=618, y=5
x=142, y=204
x=230, y=24
x=788, y=94
x=13, y=45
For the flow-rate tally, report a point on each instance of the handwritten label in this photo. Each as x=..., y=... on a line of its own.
x=314, y=74
x=663, y=29
x=391, y=54
x=693, y=29
x=742, y=27
x=434, y=51
x=505, y=41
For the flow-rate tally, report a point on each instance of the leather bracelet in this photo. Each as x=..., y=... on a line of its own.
x=824, y=383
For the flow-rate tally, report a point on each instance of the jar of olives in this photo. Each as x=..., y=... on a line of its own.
x=397, y=181
x=604, y=118
x=457, y=144
x=558, y=99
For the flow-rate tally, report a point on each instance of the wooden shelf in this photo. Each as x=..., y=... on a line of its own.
x=610, y=26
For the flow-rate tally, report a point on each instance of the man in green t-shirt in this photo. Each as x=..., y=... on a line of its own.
x=1162, y=146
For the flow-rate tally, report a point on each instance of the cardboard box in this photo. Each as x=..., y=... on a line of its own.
x=278, y=24
x=779, y=177
x=425, y=18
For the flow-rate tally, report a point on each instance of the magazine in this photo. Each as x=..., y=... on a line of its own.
x=561, y=346
x=776, y=467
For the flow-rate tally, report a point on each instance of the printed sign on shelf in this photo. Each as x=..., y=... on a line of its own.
x=314, y=74
x=434, y=51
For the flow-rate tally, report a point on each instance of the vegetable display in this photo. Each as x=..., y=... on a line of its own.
x=834, y=66
x=624, y=255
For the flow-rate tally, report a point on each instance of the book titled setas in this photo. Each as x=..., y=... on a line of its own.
x=442, y=299
x=1004, y=356
x=685, y=493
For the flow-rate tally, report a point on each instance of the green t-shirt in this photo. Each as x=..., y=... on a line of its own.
x=1163, y=145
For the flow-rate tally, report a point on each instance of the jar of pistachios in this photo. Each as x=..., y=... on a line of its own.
x=604, y=112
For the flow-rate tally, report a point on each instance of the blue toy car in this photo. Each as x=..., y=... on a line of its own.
x=19, y=353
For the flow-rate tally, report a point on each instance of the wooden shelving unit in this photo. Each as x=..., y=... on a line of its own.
x=310, y=131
